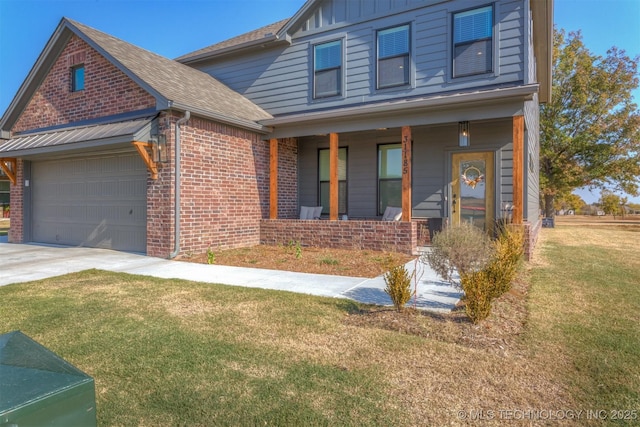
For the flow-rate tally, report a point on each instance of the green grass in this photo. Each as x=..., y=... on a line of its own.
x=585, y=305
x=170, y=352
x=178, y=353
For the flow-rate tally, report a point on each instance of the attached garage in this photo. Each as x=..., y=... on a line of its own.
x=98, y=201
x=85, y=185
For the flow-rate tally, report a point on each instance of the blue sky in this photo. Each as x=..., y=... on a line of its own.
x=172, y=28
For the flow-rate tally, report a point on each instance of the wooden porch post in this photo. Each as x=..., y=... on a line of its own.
x=333, y=176
x=273, y=178
x=406, y=173
x=518, y=166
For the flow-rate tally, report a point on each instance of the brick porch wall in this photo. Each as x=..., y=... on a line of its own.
x=351, y=234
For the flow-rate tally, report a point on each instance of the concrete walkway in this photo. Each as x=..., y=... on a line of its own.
x=26, y=262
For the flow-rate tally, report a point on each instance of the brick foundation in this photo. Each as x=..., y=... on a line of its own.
x=531, y=232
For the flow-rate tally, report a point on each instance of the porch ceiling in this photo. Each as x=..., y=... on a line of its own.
x=479, y=105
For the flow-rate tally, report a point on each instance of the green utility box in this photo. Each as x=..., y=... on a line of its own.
x=38, y=388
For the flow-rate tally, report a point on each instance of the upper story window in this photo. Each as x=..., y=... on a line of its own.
x=473, y=42
x=77, y=78
x=327, y=69
x=393, y=57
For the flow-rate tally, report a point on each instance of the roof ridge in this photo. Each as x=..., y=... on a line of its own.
x=247, y=37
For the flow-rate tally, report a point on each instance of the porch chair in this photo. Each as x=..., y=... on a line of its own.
x=310, y=212
x=392, y=213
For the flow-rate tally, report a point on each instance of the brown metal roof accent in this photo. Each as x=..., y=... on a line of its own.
x=125, y=131
x=265, y=33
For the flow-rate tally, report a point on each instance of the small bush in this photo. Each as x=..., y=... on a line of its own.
x=398, y=281
x=478, y=288
x=506, y=261
x=461, y=249
x=211, y=256
x=329, y=261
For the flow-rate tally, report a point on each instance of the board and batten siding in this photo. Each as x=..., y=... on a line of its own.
x=431, y=169
x=280, y=79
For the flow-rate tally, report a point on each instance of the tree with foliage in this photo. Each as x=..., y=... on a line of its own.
x=569, y=201
x=590, y=130
x=611, y=203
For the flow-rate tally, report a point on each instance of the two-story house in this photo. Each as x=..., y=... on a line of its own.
x=427, y=106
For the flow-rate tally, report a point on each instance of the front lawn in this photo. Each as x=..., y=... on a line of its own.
x=169, y=352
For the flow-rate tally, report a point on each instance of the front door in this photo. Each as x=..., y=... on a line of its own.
x=472, y=189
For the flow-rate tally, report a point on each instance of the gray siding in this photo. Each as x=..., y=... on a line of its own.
x=532, y=161
x=432, y=149
x=280, y=79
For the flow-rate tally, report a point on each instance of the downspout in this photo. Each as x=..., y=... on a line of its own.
x=181, y=121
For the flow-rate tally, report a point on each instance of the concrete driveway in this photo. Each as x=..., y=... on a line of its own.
x=26, y=262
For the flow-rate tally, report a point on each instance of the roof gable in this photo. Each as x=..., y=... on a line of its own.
x=173, y=84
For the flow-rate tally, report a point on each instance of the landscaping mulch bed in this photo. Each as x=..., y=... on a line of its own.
x=340, y=262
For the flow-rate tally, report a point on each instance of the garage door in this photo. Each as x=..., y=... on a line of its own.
x=98, y=201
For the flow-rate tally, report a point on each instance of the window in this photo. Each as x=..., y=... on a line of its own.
x=77, y=78
x=324, y=180
x=389, y=176
x=327, y=78
x=4, y=194
x=393, y=57
x=473, y=42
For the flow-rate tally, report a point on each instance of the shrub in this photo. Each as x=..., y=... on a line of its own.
x=506, y=260
x=398, y=281
x=461, y=249
x=211, y=256
x=478, y=287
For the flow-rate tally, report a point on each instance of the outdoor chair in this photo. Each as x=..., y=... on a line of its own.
x=392, y=213
x=310, y=212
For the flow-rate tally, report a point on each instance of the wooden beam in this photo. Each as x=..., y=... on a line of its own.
x=333, y=176
x=273, y=178
x=9, y=165
x=518, y=168
x=146, y=157
x=406, y=174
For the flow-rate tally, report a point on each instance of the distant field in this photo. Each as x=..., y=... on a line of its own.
x=598, y=220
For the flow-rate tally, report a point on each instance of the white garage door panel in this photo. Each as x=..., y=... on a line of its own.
x=95, y=201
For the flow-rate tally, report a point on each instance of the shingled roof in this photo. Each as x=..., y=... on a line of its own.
x=261, y=35
x=174, y=85
x=182, y=85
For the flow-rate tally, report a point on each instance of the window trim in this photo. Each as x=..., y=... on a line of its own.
x=325, y=209
x=408, y=55
x=340, y=69
x=380, y=209
x=74, y=82
x=494, y=67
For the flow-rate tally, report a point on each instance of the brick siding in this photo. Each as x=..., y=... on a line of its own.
x=352, y=234
x=224, y=189
x=108, y=91
x=17, y=206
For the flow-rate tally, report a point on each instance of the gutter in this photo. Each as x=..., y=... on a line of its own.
x=245, y=124
x=181, y=121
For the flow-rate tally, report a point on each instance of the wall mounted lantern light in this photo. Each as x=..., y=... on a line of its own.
x=463, y=134
x=159, y=148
